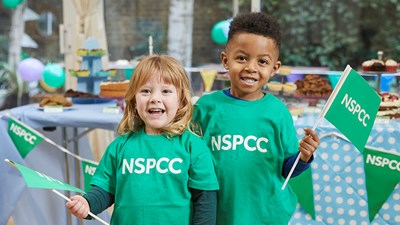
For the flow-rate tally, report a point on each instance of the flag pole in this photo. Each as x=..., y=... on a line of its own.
x=90, y=213
x=321, y=115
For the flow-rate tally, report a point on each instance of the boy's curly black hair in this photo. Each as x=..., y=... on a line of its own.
x=256, y=23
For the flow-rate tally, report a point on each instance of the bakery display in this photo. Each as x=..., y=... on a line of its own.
x=390, y=106
x=313, y=85
x=113, y=89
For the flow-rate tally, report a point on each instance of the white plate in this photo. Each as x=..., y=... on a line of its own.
x=63, y=108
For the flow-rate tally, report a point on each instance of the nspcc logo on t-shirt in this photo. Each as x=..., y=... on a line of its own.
x=231, y=142
x=143, y=165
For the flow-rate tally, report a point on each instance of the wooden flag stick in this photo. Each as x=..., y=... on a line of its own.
x=90, y=213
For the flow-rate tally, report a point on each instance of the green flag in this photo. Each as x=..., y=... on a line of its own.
x=24, y=138
x=352, y=107
x=302, y=187
x=35, y=179
x=88, y=172
x=382, y=173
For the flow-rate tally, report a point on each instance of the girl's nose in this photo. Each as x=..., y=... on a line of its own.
x=155, y=98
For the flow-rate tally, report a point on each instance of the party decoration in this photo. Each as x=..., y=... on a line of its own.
x=47, y=87
x=53, y=75
x=30, y=69
x=219, y=32
x=208, y=78
x=11, y=4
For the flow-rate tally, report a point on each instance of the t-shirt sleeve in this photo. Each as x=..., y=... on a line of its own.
x=105, y=175
x=289, y=136
x=202, y=172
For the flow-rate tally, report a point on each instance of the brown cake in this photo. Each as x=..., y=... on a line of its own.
x=390, y=106
x=114, y=89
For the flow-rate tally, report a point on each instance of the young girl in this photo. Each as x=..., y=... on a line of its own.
x=156, y=170
x=251, y=133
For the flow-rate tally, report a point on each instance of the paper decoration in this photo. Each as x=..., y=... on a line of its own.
x=88, y=170
x=208, y=77
x=302, y=186
x=24, y=138
x=382, y=174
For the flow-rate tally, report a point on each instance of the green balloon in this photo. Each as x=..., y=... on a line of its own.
x=11, y=4
x=219, y=32
x=54, y=75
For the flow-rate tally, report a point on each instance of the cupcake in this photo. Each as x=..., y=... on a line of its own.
x=391, y=65
x=367, y=65
x=274, y=86
x=289, y=88
x=378, y=65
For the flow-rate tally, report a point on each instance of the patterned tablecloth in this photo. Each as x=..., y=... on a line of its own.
x=338, y=177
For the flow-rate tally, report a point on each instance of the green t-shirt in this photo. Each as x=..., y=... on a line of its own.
x=249, y=141
x=150, y=177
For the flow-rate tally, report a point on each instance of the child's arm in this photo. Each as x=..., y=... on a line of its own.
x=308, y=145
x=205, y=207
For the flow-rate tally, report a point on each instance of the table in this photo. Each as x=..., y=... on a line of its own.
x=337, y=171
x=38, y=206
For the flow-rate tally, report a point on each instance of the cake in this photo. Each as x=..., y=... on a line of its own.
x=274, y=86
x=377, y=65
x=113, y=89
x=390, y=106
x=391, y=65
x=289, y=87
x=313, y=85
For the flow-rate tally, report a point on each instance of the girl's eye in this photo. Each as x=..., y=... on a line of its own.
x=145, y=91
x=166, y=91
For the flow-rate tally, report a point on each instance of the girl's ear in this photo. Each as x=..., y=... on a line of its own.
x=224, y=60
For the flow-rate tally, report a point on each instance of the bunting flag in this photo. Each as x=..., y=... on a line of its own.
x=302, y=186
x=35, y=179
x=382, y=174
x=208, y=77
x=24, y=138
x=352, y=107
x=88, y=172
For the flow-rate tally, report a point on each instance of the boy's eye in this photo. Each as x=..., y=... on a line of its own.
x=263, y=62
x=241, y=58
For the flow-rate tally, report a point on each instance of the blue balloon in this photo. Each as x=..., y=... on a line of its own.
x=219, y=32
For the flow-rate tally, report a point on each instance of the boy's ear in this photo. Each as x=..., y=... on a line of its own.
x=276, y=67
x=224, y=60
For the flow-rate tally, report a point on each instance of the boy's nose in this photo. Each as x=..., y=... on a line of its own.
x=251, y=66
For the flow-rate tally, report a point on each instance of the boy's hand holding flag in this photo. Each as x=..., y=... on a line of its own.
x=351, y=108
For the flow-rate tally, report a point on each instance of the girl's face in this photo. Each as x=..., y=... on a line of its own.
x=157, y=104
x=251, y=60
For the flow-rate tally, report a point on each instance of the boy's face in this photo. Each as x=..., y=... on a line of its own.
x=251, y=60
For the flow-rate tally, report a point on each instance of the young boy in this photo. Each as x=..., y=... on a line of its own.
x=251, y=133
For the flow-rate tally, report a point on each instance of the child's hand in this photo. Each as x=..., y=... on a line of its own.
x=308, y=145
x=79, y=206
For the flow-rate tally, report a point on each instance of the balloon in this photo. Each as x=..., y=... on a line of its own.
x=11, y=4
x=219, y=32
x=30, y=69
x=46, y=87
x=53, y=75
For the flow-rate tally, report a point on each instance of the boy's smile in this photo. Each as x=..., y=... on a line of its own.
x=251, y=60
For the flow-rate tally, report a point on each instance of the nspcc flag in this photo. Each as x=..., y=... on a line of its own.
x=35, y=179
x=88, y=171
x=23, y=137
x=382, y=174
x=352, y=107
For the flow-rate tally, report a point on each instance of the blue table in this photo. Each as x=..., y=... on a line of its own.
x=338, y=177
